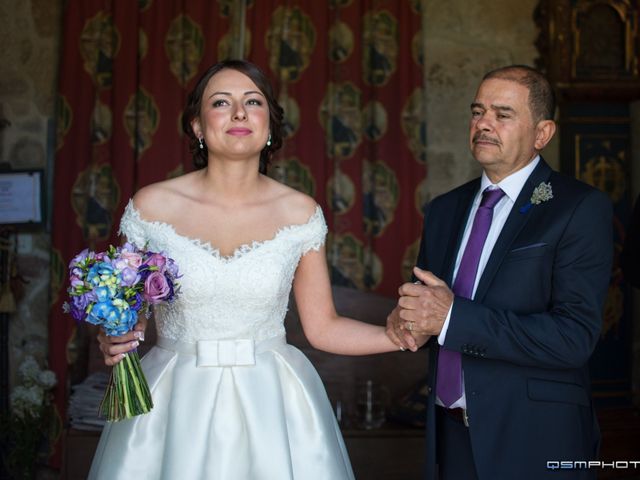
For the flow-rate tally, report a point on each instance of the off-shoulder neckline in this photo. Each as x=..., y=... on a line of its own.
x=239, y=251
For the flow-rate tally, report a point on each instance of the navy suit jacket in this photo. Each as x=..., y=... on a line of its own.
x=526, y=337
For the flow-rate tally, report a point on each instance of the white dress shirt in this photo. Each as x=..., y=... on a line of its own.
x=511, y=186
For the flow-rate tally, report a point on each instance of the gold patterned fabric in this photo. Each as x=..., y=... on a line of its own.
x=349, y=76
x=125, y=72
x=347, y=72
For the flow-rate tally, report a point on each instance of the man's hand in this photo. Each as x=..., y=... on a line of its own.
x=424, y=308
x=402, y=337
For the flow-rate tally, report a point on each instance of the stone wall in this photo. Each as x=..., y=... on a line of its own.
x=464, y=40
x=30, y=39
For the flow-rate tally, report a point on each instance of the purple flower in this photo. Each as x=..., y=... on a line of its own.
x=172, y=268
x=156, y=288
x=132, y=259
x=81, y=257
x=81, y=301
x=128, y=277
x=119, y=264
x=91, y=296
x=77, y=314
x=129, y=286
x=128, y=247
x=144, y=271
x=157, y=260
x=135, y=302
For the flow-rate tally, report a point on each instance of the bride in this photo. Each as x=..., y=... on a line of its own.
x=232, y=399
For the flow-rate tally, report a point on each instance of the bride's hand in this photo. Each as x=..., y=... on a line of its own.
x=114, y=348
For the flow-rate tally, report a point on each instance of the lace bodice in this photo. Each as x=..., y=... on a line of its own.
x=244, y=295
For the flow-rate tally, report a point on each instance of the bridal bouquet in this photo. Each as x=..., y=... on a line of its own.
x=111, y=289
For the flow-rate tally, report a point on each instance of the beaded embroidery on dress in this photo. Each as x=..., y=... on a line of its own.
x=232, y=400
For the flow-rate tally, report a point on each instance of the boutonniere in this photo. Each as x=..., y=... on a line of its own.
x=541, y=193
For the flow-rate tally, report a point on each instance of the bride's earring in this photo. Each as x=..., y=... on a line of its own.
x=201, y=142
x=269, y=140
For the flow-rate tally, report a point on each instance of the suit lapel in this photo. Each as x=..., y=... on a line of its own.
x=459, y=221
x=512, y=227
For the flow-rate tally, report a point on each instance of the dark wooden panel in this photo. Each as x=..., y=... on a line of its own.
x=387, y=458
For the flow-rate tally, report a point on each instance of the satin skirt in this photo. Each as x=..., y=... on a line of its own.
x=268, y=421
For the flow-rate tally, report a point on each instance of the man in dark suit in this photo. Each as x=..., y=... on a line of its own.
x=513, y=271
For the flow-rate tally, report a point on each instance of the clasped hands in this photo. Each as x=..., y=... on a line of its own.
x=421, y=311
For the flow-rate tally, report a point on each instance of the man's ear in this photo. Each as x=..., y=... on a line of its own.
x=545, y=129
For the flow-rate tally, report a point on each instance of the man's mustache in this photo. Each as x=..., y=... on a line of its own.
x=481, y=137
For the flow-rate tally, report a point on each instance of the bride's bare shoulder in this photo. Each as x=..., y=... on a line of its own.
x=157, y=200
x=298, y=207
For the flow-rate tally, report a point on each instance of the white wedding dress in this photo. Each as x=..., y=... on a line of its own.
x=232, y=400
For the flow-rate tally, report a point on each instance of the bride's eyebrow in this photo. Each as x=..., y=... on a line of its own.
x=249, y=92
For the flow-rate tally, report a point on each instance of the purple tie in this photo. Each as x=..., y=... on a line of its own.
x=449, y=379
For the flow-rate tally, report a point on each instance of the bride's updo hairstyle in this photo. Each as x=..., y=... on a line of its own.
x=194, y=102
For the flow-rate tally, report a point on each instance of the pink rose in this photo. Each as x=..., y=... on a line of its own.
x=157, y=260
x=156, y=288
x=134, y=260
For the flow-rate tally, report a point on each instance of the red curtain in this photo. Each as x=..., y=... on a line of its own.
x=126, y=69
x=348, y=74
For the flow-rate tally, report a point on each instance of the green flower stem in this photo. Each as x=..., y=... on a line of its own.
x=121, y=383
x=127, y=393
x=133, y=375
